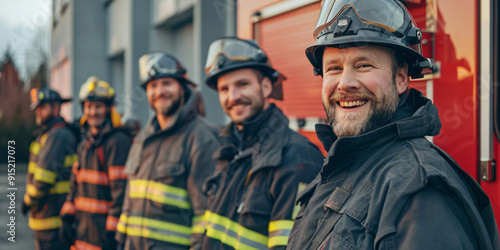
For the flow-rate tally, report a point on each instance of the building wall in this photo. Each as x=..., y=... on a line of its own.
x=107, y=38
x=61, y=58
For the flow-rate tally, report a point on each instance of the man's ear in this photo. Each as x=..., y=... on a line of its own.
x=267, y=87
x=402, y=79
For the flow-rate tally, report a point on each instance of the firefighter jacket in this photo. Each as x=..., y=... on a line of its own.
x=390, y=188
x=259, y=173
x=51, y=156
x=164, y=203
x=98, y=186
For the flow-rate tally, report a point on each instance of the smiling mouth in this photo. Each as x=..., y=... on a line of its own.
x=351, y=104
x=237, y=106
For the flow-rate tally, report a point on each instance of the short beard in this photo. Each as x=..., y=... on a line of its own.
x=381, y=111
x=46, y=121
x=169, y=111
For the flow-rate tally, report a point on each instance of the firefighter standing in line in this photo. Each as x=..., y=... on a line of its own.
x=168, y=163
x=262, y=163
x=383, y=185
x=51, y=156
x=93, y=205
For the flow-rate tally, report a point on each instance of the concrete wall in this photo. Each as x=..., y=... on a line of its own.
x=107, y=38
x=61, y=55
x=89, y=44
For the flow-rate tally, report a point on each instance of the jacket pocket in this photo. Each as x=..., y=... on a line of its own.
x=169, y=170
x=169, y=164
x=255, y=210
x=255, y=202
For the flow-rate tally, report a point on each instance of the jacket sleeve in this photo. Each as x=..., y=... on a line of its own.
x=116, y=156
x=69, y=205
x=431, y=219
x=301, y=165
x=132, y=160
x=201, y=166
x=121, y=228
x=53, y=165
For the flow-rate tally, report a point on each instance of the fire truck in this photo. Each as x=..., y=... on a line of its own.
x=460, y=36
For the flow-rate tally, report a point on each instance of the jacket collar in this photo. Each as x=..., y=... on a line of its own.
x=56, y=122
x=416, y=117
x=263, y=138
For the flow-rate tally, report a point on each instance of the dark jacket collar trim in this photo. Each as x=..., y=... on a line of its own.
x=264, y=137
x=57, y=121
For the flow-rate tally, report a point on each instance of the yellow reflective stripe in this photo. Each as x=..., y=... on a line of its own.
x=278, y=232
x=45, y=223
x=70, y=159
x=297, y=207
x=35, y=148
x=160, y=193
x=45, y=175
x=43, y=139
x=32, y=191
x=32, y=166
x=155, y=229
x=41, y=174
x=232, y=233
x=27, y=199
x=122, y=224
x=61, y=187
x=280, y=225
x=198, y=224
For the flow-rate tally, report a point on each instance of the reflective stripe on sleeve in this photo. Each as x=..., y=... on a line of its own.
x=27, y=199
x=122, y=224
x=232, y=233
x=111, y=223
x=92, y=205
x=117, y=173
x=278, y=232
x=45, y=223
x=92, y=177
x=84, y=245
x=161, y=193
x=69, y=160
x=41, y=174
x=61, y=187
x=35, y=148
x=68, y=208
x=198, y=224
x=155, y=229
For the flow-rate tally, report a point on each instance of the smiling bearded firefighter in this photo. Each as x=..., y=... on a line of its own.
x=262, y=163
x=383, y=185
x=168, y=162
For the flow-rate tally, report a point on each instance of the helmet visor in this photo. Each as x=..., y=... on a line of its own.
x=96, y=89
x=232, y=49
x=150, y=65
x=386, y=14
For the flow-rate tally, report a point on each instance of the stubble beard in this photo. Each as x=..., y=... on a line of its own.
x=353, y=124
x=171, y=109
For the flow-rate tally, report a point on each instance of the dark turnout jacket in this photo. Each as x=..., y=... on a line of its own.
x=52, y=155
x=98, y=186
x=164, y=203
x=391, y=188
x=259, y=174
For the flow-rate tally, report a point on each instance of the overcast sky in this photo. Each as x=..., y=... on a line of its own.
x=19, y=22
